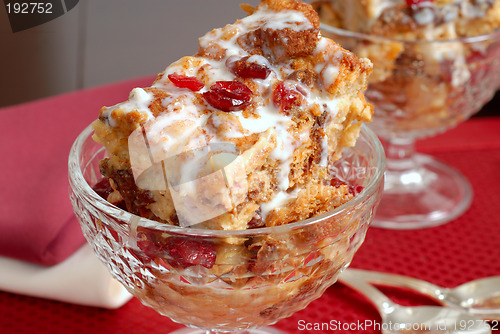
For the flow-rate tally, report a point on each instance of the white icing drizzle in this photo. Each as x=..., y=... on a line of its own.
x=264, y=18
x=258, y=59
x=139, y=100
x=324, y=152
x=280, y=199
x=378, y=6
x=472, y=11
x=329, y=74
x=269, y=19
x=270, y=117
x=424, y=16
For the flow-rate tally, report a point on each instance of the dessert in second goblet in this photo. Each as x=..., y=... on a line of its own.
x=435, y=64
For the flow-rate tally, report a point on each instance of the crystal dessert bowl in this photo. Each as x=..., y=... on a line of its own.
x=419, y=89
x=213, y=280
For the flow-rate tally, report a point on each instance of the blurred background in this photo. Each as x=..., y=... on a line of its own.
x=104, y=41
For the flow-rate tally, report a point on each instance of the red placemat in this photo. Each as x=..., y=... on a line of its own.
x=447, y=255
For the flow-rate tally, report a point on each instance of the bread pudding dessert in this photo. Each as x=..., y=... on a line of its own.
x=428, y=68
x=413, y=19
x=243, y=135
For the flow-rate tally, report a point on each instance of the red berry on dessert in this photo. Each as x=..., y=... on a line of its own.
x=245, y=68
x=417, y=2
x=182, y=81
x=228, y=95
x=285, y=96
x=190, y=252
x=103, y=188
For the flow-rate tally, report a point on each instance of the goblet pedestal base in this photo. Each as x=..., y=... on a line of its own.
x=427, y=194
x=260, y=330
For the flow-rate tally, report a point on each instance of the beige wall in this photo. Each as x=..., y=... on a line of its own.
x=103, y=41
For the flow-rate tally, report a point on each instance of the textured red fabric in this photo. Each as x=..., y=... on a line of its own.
x=448, y=255
x=36, y=219
x=477, y=134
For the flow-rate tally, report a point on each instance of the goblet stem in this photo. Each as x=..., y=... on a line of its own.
x=403, y=171
x=400, y=153
x=419, y=191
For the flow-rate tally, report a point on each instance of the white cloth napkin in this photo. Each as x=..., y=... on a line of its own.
x=80, y=279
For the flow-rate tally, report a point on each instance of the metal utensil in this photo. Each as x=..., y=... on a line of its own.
x=480, y=297
x=415, y=319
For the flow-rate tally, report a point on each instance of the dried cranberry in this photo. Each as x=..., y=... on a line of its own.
x=416, y=2
x=353, y=189
x=183, y=81
x=244, y=69
x=189, y=252
x=103, y=188
x=228, y=95
x=149, y=244
x=256, y=220
x=285, y=96
x=336, y=182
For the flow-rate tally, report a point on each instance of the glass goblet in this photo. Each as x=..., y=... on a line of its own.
x=259, y=275
x=419, y=89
